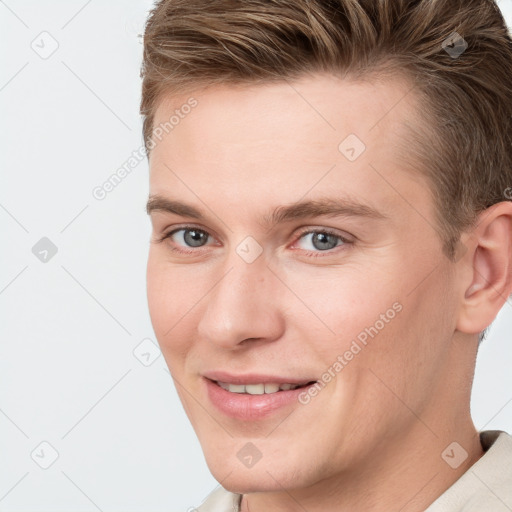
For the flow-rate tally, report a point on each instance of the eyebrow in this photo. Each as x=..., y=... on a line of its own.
x=327, y=206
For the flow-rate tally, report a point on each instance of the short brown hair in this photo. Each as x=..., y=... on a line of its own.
x=464, y=146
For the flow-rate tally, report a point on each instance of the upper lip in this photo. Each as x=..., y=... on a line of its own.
x=254, y=378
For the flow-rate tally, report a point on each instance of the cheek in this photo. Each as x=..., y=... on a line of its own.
x=367, y=319
x=404, y=360
x=159, y=296
x=342, y=303
x=171, y=299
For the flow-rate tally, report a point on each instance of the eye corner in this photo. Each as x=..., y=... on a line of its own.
x=157, y=238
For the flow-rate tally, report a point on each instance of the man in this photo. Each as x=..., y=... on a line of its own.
x=332, y=235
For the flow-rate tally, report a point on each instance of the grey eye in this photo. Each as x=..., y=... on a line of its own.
x=321, y=241
x=194, y=237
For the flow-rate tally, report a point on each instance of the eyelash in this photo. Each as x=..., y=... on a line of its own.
x=314, y=254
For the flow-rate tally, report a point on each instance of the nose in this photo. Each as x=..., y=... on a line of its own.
x=242, y=306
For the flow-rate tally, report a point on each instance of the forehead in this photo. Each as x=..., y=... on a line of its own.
x=322, y=98
x=268, y=140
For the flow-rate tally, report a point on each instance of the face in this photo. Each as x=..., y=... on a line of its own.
x=305, y=252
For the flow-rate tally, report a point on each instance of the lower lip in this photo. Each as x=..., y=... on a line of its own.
x=244, y=406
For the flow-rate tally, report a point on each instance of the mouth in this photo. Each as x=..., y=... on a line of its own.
x=261, y=388
x=255, y=401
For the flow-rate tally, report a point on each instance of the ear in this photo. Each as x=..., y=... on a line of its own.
x=486, y=278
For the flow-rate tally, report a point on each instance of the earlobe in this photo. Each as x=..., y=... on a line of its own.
x=490, y=281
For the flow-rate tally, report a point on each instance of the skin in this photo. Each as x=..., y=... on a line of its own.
x=372, y=439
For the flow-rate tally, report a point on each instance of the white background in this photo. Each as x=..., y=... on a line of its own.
x=69, y=326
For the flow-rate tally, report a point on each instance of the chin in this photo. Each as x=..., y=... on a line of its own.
x=251, y=482
x=264, y=476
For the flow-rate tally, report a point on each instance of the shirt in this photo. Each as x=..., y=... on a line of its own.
x=485, y=487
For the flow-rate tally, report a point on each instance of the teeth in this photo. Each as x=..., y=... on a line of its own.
x=271, y=388
x=223, y=385
x=256, y=389
x=237, y=388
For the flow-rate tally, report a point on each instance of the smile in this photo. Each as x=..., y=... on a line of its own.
x=252, y=402
x=259, y=389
